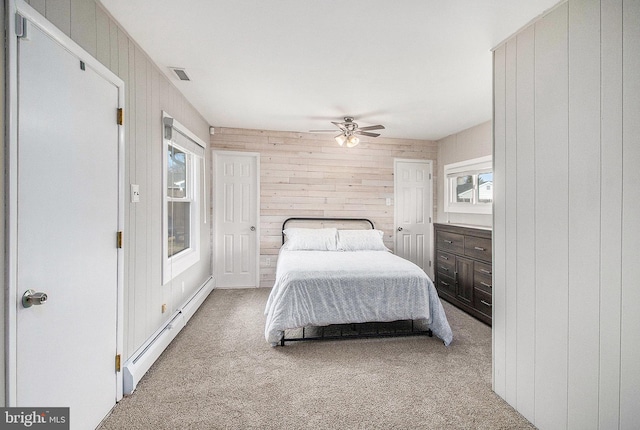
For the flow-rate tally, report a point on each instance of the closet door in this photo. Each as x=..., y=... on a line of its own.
x=413, y=212
x=237, y=208
x=67, y=220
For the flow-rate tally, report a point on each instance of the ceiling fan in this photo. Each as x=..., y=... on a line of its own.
x=349, y=131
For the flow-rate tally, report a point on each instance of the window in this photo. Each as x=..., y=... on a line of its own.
x=179, y=199
x=183, y=174
x=468, y=186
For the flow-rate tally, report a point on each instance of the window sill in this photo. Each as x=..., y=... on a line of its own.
x=179, y=263
x=471, y=209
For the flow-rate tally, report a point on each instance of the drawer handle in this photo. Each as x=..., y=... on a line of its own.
x=444, y=258
x=477, y=248
x=485, y=303
x=488, y=272
x=444, y=283
x=445, y=269
x=447, y=241
x=485, y=284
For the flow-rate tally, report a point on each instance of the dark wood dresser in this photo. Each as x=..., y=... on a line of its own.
x=463, y=268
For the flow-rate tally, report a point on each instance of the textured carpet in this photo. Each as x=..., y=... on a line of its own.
x=220, y=373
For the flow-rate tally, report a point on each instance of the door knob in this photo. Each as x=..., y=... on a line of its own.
x=399, y=228
x=253, y=228
x=31, y=298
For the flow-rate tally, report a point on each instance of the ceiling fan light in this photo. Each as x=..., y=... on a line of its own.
x=341, y=139
x=352, y=141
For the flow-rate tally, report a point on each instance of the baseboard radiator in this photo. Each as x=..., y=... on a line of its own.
x=135, y=368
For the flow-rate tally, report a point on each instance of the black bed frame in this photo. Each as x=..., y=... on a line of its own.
x=284, y=224
x=401, y=328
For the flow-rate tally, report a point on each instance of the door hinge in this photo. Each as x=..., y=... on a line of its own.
x=120, y=116
x=429, y=263
x=119, y=239
x=429, y=176
x=117, y=362
x=429, y=220
x=21, y=26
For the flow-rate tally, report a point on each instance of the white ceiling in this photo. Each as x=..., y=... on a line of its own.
x=422, y=68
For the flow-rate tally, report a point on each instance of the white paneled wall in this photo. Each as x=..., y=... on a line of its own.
x=566, y=231
x=147, y=93
x=630, y=294
x=611, y=217
x=305, y=174
x=2, y=219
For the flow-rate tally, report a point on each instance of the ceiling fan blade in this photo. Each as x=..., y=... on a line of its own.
x=340, y=125
x=372, y=127
x=322, y=131
x=366, y=133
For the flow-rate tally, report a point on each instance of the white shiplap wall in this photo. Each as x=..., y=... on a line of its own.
x=147, y=93
x=2, y=219
x=306, y=174
x=566, y=230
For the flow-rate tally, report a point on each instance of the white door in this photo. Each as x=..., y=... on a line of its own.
x=67, y=220
x=414, y=211
x=236, y=206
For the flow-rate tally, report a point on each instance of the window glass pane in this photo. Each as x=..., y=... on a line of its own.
x=485, y=187
x=176, y=173
x=464, y=188
x=179, y=222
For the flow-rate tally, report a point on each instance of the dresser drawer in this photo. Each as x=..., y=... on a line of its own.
x=445, y=263
x=477, y=247
x=446, y=284
x=445, y=270
x=482, y=302
x=482, y=282
x=451, y=242
x=483, y=269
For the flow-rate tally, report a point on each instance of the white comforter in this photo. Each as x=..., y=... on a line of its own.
x=317, y=288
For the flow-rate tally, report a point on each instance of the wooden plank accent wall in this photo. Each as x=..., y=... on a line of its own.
x=307, y=174
x=147, y=93
x=566, y=231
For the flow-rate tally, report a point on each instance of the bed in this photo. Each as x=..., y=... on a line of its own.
x=340, y=275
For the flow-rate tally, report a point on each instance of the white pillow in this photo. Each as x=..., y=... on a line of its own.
x=311, y=239
x=361, y=240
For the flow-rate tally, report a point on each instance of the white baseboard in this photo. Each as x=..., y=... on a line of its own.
x=136, y=367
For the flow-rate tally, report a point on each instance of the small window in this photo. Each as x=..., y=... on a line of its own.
x=485, y=187
x=184, y=186
x=464, y=188
x=468, y=186
x=179, y=199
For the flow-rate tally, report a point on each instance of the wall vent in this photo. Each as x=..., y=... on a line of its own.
x=180, y=73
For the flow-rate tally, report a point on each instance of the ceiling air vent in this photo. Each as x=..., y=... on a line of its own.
x=180, y=73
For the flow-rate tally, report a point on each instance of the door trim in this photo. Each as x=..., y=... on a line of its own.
x=214, y=163
x=11, y=126
x=395, y=206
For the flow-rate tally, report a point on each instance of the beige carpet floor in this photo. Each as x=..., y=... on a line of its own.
x=220, y=373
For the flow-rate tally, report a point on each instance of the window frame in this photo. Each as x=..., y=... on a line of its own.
x=473, y=168
x=176, y=264
x=189, y=193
